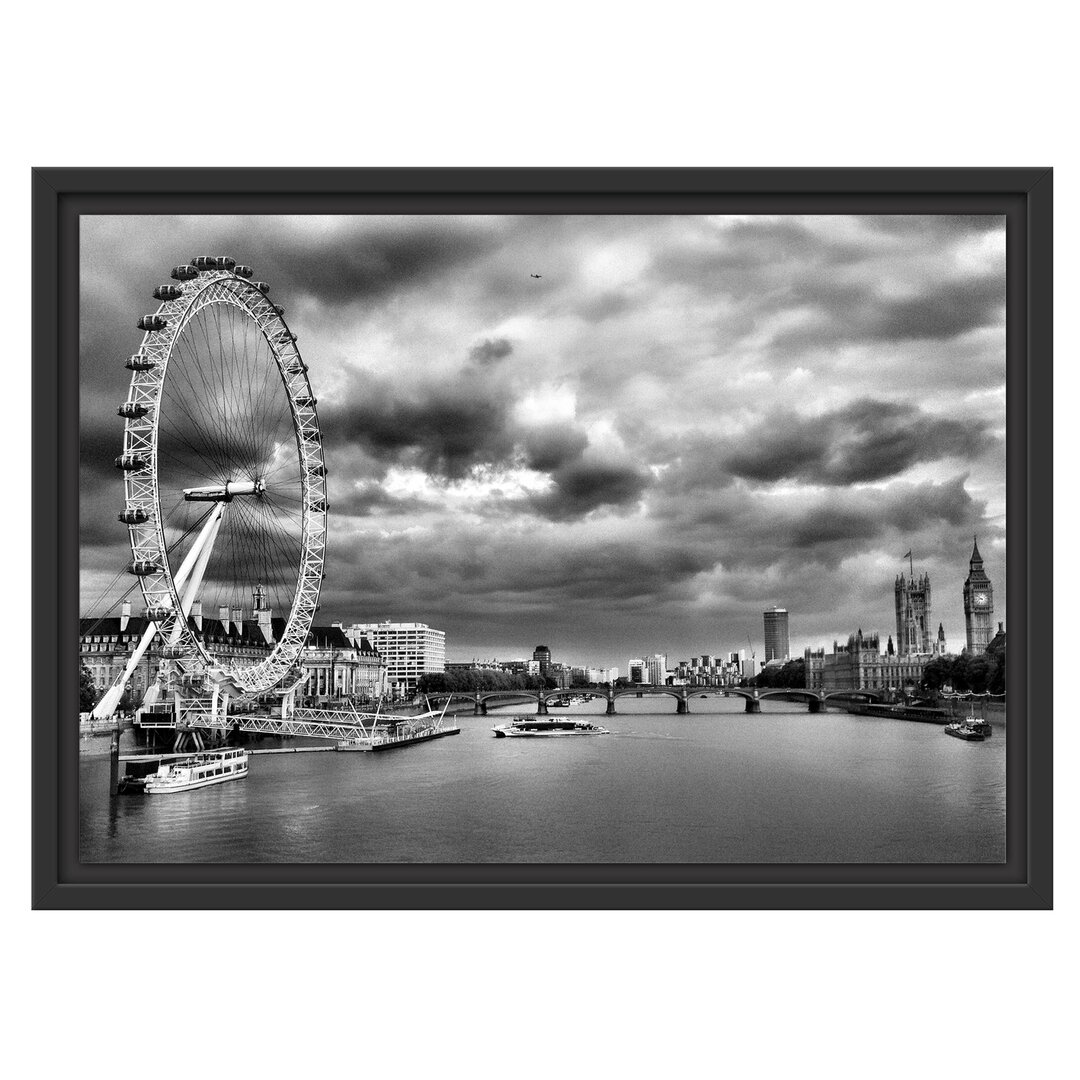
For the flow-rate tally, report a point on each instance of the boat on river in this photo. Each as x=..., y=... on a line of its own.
x=199, y=770
x=961, y=729
x=971, y=728
x=546, y=727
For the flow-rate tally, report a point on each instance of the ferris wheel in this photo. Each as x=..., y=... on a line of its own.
x=224, y=478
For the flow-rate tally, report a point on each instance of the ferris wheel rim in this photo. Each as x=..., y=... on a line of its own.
x=198, y=290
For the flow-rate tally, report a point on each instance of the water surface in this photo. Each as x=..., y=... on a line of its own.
x=718, y=785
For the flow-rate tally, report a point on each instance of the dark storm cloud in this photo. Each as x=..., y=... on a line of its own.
x=548, y=448
x=445, y=429
x=482, y=568
x=367, y=259
x=490, y=351
x=854, y=312
x=582, y=487
x=941, y=313
x=864, y=441
x=756, y=531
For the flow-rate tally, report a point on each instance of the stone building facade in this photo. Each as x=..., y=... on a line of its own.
x=336, y=667
x=861, y=665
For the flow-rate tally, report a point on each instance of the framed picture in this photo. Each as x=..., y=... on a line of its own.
x=690, y=502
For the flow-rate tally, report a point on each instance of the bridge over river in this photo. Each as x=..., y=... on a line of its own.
x=815, y=699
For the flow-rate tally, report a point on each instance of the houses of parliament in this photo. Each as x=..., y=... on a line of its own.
x=861, y=665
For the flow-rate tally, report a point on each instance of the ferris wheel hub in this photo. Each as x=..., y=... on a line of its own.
x=224, y=492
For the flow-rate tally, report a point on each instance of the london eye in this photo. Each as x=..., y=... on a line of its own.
x=224, y=479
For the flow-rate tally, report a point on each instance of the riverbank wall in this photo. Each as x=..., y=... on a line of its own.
x=944, y=712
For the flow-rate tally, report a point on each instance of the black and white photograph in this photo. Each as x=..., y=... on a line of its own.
x=542, y=539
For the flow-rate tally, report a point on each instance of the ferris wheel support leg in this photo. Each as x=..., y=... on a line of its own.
x=201, y=551
x=107, y=705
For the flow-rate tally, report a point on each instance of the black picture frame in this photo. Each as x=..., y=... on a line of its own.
x=59, y=196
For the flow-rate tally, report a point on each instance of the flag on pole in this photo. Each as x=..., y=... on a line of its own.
x=906, y=555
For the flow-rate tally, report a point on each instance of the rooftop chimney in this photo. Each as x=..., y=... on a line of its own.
x=265, y=627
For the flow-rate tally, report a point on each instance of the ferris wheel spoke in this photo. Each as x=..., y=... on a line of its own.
x=282, y=549
x=195, y=423
x=283, y=512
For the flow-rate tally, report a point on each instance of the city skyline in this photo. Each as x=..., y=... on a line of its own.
x=683, y=422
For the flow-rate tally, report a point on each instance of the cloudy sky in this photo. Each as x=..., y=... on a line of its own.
x=682, y=422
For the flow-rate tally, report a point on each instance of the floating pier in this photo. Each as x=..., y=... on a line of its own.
x=389, y=740
x=294, y=750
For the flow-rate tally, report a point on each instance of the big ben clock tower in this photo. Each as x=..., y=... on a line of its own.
x=978, y=605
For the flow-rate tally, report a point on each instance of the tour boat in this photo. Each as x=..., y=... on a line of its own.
x=540, y=726
x=200, y=770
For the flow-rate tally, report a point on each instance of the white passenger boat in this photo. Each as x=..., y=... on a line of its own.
x=541, y=726
x=199, y=770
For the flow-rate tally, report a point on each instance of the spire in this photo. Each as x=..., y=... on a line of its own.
x=941, y=631
x=975, y=556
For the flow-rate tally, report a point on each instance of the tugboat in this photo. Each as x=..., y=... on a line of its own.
x=546, y=726
x=972, y=728
x=960, y=729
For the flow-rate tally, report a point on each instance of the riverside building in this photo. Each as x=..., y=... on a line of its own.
x=861, y=665
x=338, y=667
x=776, y=634
x=409, y=650
x=335, y=666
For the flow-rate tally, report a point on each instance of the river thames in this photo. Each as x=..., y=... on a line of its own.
x=718, y=786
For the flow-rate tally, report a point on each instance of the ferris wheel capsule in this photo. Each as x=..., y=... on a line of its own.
x=279, y=309
x=132, y=410
x=144, y=568
x=152, y=322
x=168, y=292
x=133, y=515
x=243, y=271
x=262, y=286
x=185, y=272
x=133, y=462
x=140, y=362
x=205, y=262
x=224, y=262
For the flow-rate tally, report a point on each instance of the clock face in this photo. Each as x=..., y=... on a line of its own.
x=980, y=599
